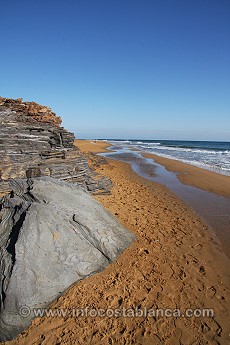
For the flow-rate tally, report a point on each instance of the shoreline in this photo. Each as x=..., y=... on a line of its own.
x=188, y=174
x=175, y=262
x=194, y=176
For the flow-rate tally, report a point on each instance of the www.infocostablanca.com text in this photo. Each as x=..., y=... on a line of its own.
x=26, y=311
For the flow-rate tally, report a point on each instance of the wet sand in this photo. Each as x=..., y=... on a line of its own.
x=175, y=262
x=197, y=177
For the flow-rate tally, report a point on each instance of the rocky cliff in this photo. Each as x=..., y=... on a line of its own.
x=32, y=143
x=52, y=233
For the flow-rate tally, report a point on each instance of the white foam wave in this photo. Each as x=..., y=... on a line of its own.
x=224, y=170
x=183, y=149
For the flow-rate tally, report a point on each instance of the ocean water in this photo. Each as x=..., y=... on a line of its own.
x=210, y=155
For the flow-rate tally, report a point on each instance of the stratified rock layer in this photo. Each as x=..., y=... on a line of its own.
x=32, y=143
x=52, y=234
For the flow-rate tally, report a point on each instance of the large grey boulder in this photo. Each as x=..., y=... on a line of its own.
x=52, y=234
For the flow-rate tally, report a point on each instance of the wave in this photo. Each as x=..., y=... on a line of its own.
x=196, y=147
x=120, y=141
x=205, y=165
x=182, y=149
x=204, y=145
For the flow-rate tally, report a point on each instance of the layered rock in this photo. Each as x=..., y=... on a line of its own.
x=52, y=234
x=32, y=143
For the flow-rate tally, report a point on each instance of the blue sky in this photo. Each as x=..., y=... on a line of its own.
x=122, y=69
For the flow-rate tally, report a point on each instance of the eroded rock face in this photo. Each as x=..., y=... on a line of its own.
x=33, y=144
x=52, y=234
x=31, y=112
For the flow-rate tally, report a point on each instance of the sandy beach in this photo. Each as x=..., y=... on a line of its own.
x=176, y=263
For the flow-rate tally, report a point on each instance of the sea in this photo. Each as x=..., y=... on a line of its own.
x=210, y=155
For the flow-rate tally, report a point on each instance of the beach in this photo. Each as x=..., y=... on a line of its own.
x=197, y=177
x=176, y=263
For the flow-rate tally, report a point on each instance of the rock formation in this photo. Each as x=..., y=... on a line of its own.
x=53, y=234
x=31, y=112
x=32, y=143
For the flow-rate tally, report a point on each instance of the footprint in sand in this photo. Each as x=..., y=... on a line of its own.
x=211, y=291
x=202, y=270
x=199, y=246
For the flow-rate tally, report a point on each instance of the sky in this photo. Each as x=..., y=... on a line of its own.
x=141, y=69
